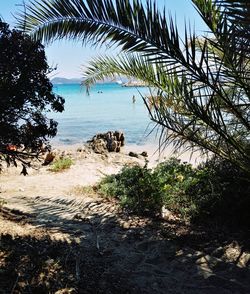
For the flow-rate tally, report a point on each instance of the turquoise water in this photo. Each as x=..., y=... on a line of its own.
x=108, y=107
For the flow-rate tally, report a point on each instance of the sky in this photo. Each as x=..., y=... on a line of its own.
x=71, y=57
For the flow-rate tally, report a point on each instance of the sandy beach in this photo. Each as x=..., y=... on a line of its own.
x=88, y=169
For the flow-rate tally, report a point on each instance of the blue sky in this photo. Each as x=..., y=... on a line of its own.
x=71, y=57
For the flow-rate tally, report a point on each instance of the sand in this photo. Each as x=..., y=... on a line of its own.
x=114, y=252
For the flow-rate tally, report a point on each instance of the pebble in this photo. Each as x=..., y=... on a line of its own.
x=126, y=225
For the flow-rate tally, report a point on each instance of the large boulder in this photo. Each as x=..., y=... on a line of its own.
x=107, y=142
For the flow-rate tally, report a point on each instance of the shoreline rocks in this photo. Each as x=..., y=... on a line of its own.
x=107, y=142
x=144, y=154
x=100, y=144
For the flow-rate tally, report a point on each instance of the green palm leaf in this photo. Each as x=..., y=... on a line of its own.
x=119, y=21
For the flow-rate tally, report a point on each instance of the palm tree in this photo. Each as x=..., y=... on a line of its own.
x=201, y=85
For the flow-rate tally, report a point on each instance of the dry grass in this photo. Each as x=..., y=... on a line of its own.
x=83, y=190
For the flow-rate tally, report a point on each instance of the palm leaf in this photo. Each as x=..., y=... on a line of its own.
x=119, y=21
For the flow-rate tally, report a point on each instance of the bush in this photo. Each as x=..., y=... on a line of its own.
x=83, y=190
x=136, y=189
x=174, y=179
x=61, y=164
x=222, y=192
x=145, y=191
x=214, y=190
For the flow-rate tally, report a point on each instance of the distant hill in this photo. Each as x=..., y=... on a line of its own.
x=59, y=80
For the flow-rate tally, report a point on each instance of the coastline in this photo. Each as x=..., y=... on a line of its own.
x=155, y=155
x=87, y=169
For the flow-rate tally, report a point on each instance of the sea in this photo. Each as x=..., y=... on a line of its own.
x=111, y=107
x=108, y=107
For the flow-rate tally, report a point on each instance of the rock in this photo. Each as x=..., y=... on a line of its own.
x=120, y=137
x=43, y=148
x=133, y=154
x=167, y=214
x=234, y=254
x=111, y=144
x=66, y=291
x=49, y=157
x=144, y=154
x=118, y=147
x=49, y=261
x=99, y=146
x=244, y=260
x=126, y=225
x=107, y=142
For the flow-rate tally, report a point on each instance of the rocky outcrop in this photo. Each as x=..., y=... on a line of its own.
x=107, y=142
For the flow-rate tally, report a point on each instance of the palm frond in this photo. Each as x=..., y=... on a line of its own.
x=117, y=21
x=133, y=26
x=133, y=65
x=238, y=11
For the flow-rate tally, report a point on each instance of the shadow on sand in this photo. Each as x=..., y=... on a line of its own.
x=109, y=252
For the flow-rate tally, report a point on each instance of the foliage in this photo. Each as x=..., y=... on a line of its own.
x=222, y=192
x=214, y=190
x=136, y=189
x=145, y=191
x=61, y=164
x=35, y=264
x=202, y=89
x=175, y=178
x=26, y=96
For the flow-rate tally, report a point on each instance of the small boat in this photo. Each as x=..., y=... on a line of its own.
x=119, y=82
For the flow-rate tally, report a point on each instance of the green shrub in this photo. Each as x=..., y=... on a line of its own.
x=145, y=191
x=61, y=164
x=83, y=190
x=108, y=186
x=214, y=190
x=136, y=189
x=222, y=192
x=175, y=178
